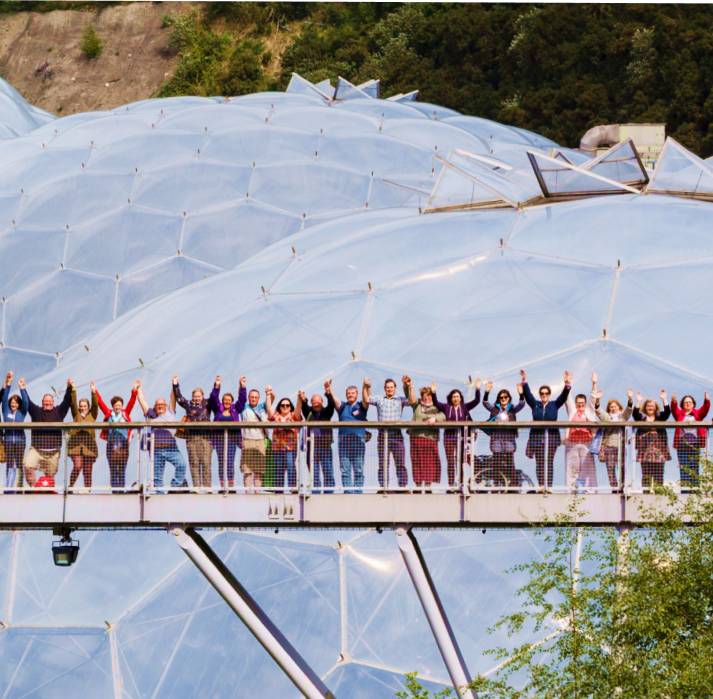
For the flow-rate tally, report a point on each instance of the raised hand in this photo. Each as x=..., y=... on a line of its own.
x=629, y=393
x=523, y=376
x=477, y=382
x=302, y=396
x=567, y=376
x=433, y=387
x=218, y=381
x=518, y=387
x=21, y=383
x=367, y=383
x=705, y=395
x=595, y=378
x=488, y=386
x=268, y=390
x=243, y=382
x=93, y=386
x=174, y=379
x=70, y=383
x=406, y=380
x=137, y=385
x=639, y=398
x=328, y=386
x=8, y=378
x=663, y=394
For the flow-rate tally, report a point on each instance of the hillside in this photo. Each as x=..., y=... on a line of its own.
x=40, y=55
x=556, y=69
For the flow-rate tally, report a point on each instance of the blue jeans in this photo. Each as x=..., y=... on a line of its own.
x=323, y=468
x=226, y=472
x=688, y=462
x=171, y=455
x=351, y=462
x=285, y=464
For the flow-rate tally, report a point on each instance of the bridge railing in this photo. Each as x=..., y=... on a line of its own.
x=350, y=457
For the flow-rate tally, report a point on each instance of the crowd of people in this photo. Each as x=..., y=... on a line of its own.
x=268, y=443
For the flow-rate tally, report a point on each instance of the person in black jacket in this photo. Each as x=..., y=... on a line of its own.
x=46, y=444
x=321, y=450
x=543, y=444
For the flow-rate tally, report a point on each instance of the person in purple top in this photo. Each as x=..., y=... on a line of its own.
x=456, y=409
x=226, y=409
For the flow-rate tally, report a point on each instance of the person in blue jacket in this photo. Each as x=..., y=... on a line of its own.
x=543, y=444
x=14, y=409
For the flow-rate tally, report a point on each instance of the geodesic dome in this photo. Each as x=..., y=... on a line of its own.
x=286, y=236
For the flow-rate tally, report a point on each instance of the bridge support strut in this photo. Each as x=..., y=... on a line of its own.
x=260, y=625
x=435, y=613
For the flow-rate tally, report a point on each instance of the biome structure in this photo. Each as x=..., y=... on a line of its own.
x=292, y=237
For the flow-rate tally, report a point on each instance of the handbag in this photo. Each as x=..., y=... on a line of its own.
x=182, y=432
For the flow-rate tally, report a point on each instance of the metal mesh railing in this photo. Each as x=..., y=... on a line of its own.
x=353, y=457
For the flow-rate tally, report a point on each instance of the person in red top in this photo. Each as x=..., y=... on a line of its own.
x=117, y=439
x=284, y=441
x=688, y=441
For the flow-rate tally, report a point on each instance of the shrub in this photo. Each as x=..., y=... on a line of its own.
x=91, y=44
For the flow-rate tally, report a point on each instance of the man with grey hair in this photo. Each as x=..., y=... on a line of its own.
x=319, y=457
x=352, y=440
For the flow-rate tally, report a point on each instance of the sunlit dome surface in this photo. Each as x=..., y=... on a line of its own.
x=17, y=116
x=285, y=236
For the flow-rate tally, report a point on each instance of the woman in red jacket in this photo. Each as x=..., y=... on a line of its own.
x=688, y=441
x=117, y=438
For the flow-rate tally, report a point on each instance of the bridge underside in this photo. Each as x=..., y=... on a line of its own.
x=47, y=510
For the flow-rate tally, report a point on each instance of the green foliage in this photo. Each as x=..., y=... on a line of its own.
x=212, y=62
x=618, y=615
x=12, y=6
x=91, y=44
x=556, y=69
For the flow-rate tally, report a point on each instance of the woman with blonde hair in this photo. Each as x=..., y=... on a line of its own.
x=651, y=444
x=82, y=445
x=612, y=448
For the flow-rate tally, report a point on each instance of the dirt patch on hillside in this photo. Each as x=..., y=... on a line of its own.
x=40, y=55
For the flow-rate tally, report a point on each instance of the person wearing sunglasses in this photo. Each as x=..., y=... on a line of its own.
x=543, y=444
x=284, y=440
x=503, y=443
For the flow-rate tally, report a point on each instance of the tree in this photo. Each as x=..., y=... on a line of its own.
x=618, y=615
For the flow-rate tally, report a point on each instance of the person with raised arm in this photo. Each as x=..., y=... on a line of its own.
x=82, y=444
x=456, y=409
x=580, y=469
x=689, y=441
x=117, y=438
x=542, y=444
x=253, y=454
x=503, y=443
x=284, y=440
x=612, y=450
x=323, y=464
x=165, y=447
x=390, y=442
x=423, y=441
x=45, y=444
x=227, y=409
x=351, y=440
x=14, y=409
x=198, y=444
x=652, y=443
